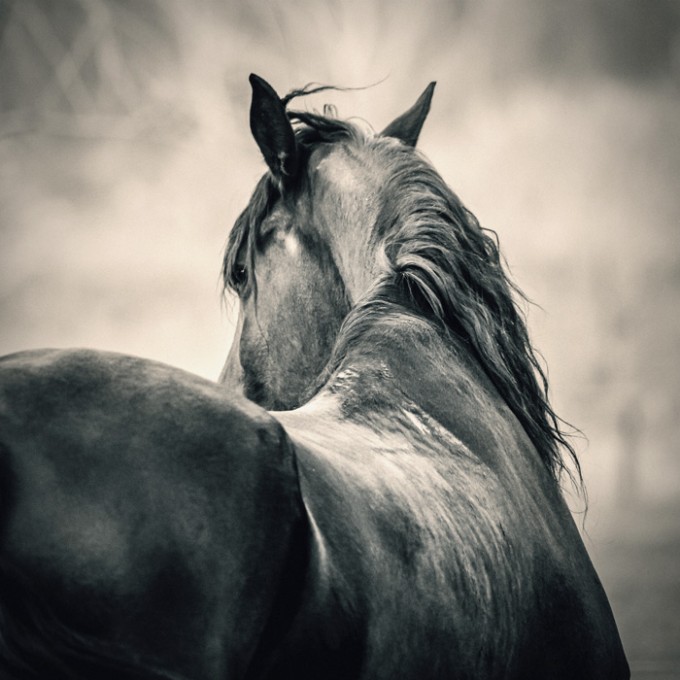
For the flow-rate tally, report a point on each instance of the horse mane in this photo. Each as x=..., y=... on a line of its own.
x=451, y=268
x=446, y=265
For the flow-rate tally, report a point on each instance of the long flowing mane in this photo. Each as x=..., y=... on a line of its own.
x=444, y=263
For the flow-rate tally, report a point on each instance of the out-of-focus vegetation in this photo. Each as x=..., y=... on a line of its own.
x=125, y=157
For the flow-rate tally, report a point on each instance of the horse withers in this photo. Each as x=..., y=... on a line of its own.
x=384, y=504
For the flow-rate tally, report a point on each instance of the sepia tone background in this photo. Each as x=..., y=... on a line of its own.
x=125, y=157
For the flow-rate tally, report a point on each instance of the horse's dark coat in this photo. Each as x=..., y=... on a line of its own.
x=137, y=496
x=402, y=518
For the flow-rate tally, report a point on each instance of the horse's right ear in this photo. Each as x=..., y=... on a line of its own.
x=408, y=126
x=272, y=130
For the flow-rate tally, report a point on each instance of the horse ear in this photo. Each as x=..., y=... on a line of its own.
x=272, y=130
x=408, y=126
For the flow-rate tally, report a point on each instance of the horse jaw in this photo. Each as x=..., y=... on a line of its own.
x=232, y=376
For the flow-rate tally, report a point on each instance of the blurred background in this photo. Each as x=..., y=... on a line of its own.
x=125, y=157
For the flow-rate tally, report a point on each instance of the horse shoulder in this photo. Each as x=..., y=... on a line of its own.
x=404, y=555
x=433, y=559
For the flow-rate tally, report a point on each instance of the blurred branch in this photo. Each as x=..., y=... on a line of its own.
x=112, y=67
x=152, y=123
x=95, y=37
x=68, y=72
x=5, y=11
x=57, y=56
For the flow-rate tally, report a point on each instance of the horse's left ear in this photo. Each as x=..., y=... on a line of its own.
x=408, y=126
x=272, y=130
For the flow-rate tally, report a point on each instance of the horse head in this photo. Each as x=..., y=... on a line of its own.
x=304, y=251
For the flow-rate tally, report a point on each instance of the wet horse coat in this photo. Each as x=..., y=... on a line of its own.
x=395, y=515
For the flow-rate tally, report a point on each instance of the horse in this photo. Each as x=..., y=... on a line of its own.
x=372, y=490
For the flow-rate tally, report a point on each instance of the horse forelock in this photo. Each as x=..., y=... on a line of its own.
x=240, y=247
x=311, y=131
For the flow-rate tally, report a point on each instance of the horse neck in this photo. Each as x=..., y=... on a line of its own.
x=400, y=363
x=392, y=346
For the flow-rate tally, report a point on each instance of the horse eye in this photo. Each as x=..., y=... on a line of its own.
x=239, y=276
